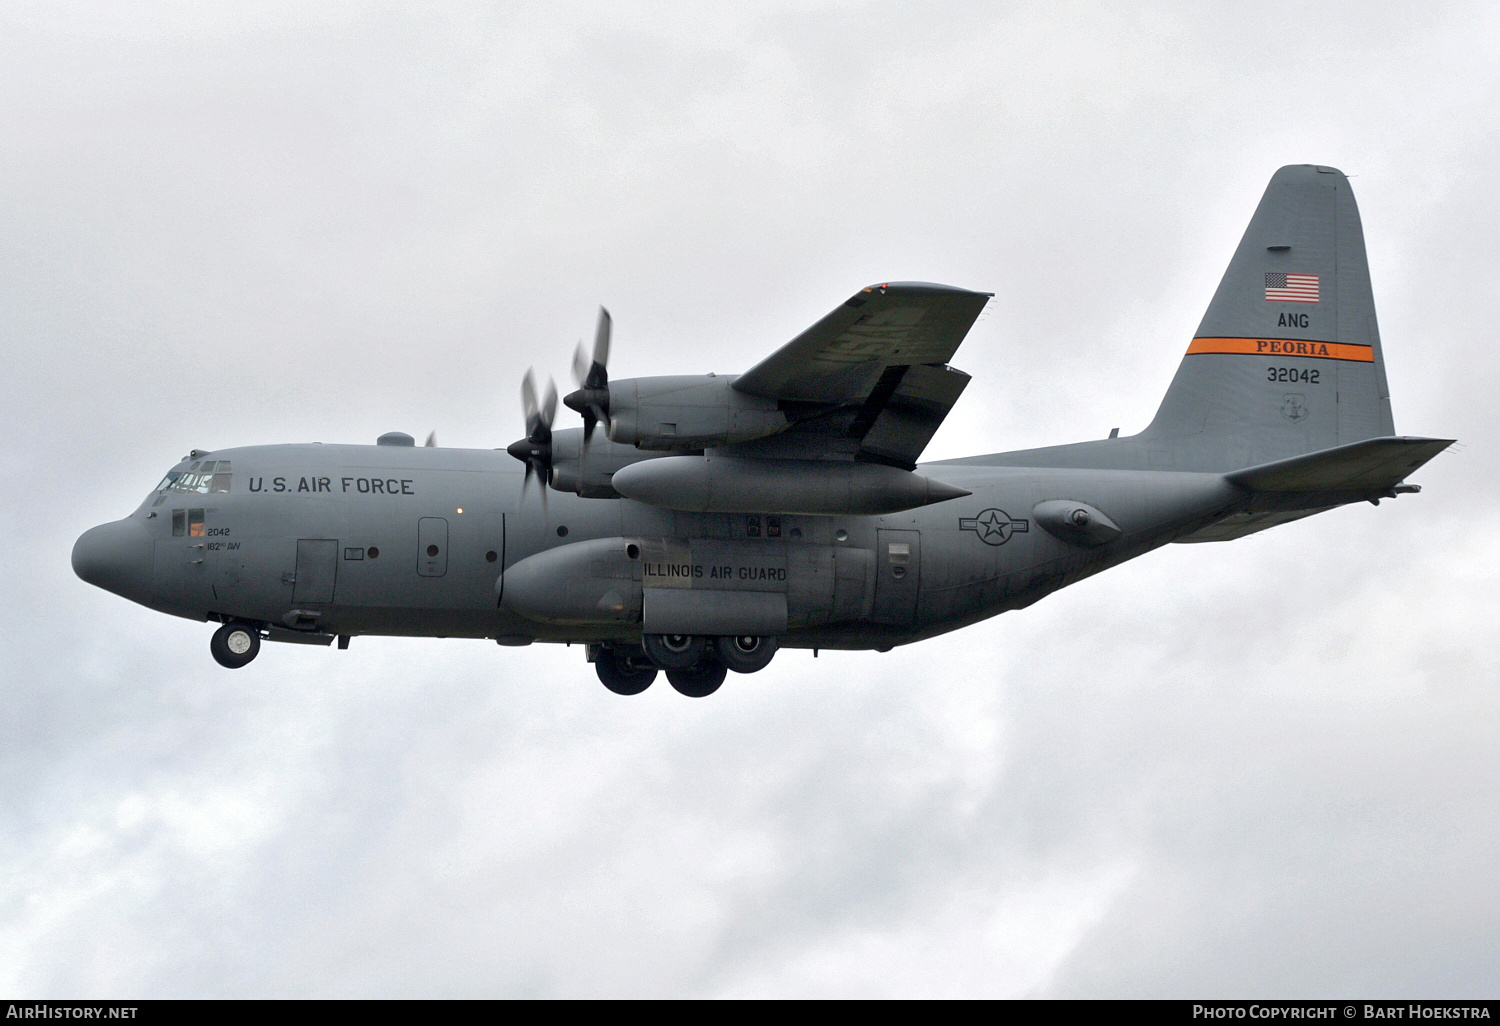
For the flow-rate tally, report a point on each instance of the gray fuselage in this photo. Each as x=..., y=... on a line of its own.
x=399, y=540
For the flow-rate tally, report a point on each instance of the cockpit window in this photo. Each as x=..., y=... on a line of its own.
x=210, y=477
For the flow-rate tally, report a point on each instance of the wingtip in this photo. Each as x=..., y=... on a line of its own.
x=918, y=288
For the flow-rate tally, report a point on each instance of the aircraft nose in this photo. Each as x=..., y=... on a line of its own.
x=116, y=557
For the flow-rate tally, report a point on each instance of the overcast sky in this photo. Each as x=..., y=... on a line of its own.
x=1261, y=768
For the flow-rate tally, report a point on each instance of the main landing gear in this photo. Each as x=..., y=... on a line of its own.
x=622, y=671
x=700, y=681
x=696, y=665
x=235, y=644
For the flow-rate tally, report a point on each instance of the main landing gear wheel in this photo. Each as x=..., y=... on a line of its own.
x=235, y=644
x=674, y=651
x=699, y=682
x=745, y=653
x=624, y=673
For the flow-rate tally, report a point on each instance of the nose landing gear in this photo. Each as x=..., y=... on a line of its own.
x=235, y=644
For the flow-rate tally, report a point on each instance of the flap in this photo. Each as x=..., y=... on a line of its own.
x=905, y=420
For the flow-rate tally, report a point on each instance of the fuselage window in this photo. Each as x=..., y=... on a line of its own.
x=179, y=523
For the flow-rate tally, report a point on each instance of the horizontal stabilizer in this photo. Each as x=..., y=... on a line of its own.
x=1371, y=464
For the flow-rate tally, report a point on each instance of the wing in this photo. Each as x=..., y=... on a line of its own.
x=842, y=357
x=870, y=380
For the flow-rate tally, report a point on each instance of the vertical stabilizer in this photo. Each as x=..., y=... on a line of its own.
x=1287, y=359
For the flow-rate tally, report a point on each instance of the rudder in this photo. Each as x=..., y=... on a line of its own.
x=1287, y=359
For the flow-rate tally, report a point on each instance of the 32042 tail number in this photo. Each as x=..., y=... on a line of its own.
x=1309, y=377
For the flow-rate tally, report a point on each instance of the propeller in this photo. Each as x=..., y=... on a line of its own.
x=535, y=450
x=592, y=397
x=431, y=442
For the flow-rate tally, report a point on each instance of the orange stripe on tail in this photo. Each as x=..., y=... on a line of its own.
x=1283, y=347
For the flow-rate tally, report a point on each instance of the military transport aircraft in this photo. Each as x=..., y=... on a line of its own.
x=715, y=519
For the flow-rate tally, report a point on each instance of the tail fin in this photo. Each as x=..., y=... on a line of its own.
x=1287, y=359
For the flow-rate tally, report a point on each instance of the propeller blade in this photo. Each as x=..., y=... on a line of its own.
x=601, y=348
x=431, y=442
x=535, y=450
x=549, y=404
x=528, y=401
x=528, y=394
x=535, y=465
x=592, y=374
x=580, y=365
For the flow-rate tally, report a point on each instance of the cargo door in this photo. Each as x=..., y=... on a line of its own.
x=898, y=576
x=317, y=571
x=432, y=546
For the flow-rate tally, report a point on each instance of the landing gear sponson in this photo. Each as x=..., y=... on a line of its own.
x=695, y=665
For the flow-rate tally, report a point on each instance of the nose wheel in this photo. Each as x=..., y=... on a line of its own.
x=235, y=644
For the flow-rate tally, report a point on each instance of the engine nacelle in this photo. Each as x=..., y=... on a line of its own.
x=586, y=469
x=685, y=412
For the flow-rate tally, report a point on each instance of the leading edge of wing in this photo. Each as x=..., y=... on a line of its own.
x=841, y=358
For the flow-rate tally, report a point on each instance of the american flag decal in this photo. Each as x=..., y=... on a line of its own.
x=1291, y=288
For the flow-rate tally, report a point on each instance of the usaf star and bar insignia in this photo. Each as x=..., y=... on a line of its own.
x=994, y=526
